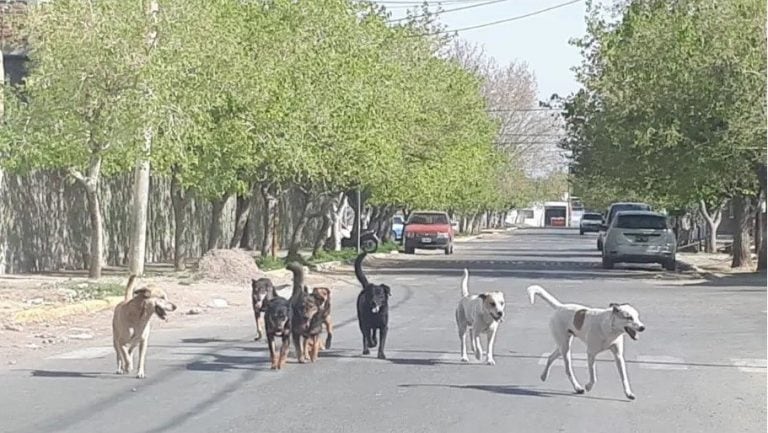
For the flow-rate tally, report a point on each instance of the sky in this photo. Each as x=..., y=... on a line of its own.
x=541, y=41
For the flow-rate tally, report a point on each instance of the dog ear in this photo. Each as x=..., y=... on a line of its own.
x=387, y=290
x=306, y=290
x=253, y=284
x=483, y=296
x=614, y=306
x=144, y=292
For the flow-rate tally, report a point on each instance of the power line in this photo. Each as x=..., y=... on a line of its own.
x=471, y=6
x=505, y=20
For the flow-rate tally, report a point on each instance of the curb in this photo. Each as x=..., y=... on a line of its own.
x=40, y=314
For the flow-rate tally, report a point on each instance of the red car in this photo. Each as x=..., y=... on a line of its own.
x=428, y=231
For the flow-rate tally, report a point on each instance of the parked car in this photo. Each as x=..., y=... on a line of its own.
x=397, y=228
x=611, y=213
x=640, y=237
x=428, y=230
x=590, y=223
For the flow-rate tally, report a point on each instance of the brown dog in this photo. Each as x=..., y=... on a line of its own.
x=130, y=323
x=323, y=295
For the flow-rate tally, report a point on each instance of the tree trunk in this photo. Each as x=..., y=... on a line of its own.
x=3, y=237
x=339, y=204
x=270, y=215
x=140, y=204
x=298, y=229
x=742, y=256
x=762, y=172
x=242, y=213
x=179, y=201
x=245, y=241
x=325, y=227
x=713, y=219
x=97, y=242
x=214, y=230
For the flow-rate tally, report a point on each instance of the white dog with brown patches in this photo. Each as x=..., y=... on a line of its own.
x=600, y=329
x=478, y=314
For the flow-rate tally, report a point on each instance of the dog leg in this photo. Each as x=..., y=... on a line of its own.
x=491, y=341
x=259, y=327
x=463, y=339
x=329, y=329
x=142, y=357
x=618, y=355
x=372, y=342
x=383, y=334
x=566, y=352
x=366, y=342
x=592, y=371
x=315, y=347
x=476, y=344
x=286, y=344
x=298, y=347
x=273, y=361
x=552, y=358
x=119, y=356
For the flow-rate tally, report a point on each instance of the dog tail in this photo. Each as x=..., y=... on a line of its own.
x=298, y=279
x=359, y=269
x=464, y=286
x=543, y=294
x=129, y=287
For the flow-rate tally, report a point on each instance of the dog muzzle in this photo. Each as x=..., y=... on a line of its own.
x=375, y=309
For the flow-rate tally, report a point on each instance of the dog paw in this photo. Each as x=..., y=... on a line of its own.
x=478, y=355
x=465, y=358
x=257, y=338
x=543, y=377
x=630, y=396
x=327, y=342
x=140, y=375
x=381, y=355
x=490, y=362
x=366, y=352
x=589, y=386
x=579, y=390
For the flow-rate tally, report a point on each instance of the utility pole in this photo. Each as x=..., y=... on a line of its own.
x=359, y=220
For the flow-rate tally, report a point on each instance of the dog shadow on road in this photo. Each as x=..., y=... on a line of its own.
x=511, y=390
x=74, y=374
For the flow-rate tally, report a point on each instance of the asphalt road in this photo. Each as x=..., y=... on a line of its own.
x=700, y=367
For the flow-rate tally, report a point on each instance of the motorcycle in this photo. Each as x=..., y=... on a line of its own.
x=369, y=242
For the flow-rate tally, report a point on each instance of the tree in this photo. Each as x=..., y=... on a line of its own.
x=671, y=106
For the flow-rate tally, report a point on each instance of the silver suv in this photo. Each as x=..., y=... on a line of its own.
x=611, y=213
x=640, y=237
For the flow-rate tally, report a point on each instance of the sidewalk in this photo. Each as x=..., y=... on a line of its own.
x=713, y=264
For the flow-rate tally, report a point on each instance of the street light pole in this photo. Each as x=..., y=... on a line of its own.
x=359, y=220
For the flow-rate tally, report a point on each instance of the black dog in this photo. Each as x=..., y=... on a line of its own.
x=262, y=291
x=304, y=324
x=372, y=310
x=277, y=317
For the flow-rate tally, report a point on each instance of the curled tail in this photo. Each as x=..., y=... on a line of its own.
x=464, y=286
x=129, y=287
x=298, y=278
x=359, y=269
x=543, y=294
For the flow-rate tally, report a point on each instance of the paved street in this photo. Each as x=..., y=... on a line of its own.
x=700, y=367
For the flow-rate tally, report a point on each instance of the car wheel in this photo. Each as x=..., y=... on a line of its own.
x=607, y=263
x=670, y=264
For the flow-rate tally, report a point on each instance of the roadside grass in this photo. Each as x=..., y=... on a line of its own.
x=94, y=290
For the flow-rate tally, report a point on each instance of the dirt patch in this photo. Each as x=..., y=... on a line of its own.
x=237, y=266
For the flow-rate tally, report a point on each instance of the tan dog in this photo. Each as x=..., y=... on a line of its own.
x=130, y=323
x=323, y=294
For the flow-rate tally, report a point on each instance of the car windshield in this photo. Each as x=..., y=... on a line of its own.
x=592, y=216
x=641, y=222
x=397, y=220
x=428, y=218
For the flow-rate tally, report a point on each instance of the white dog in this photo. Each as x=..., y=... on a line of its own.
x=481, y=314
x=600, y=329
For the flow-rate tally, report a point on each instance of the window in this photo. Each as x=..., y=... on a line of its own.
x=428, y=218
x=592, y=217
x=527, y=213
x=641, y=222
x=397, y=220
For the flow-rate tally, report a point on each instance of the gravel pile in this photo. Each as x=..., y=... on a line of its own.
x=236, y=266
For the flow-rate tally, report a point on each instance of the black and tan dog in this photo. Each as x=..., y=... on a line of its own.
x=308, y=316
x=323, y=296
x=277, y=318
x=262, y=291
x=372, y=310
x=130, y=323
